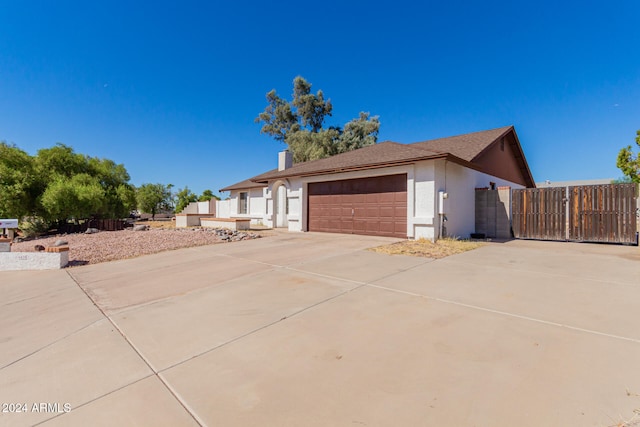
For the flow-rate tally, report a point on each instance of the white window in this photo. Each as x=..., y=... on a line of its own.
x=243, y=201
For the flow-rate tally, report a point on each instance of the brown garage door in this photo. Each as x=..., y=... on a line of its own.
x=373, y=206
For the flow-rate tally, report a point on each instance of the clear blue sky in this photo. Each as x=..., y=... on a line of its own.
x=171, y=89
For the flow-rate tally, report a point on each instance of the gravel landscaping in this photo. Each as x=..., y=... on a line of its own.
x=113, y=245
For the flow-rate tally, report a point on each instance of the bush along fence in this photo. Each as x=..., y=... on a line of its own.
x=100, y=224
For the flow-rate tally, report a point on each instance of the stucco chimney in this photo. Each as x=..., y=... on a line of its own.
x=285, y=160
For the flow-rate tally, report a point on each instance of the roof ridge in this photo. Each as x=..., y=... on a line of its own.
x=505, y=128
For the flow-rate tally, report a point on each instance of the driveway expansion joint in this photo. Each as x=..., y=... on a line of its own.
x=512, y=315
x=51, y=343
x=141, y=356
x=268, y=325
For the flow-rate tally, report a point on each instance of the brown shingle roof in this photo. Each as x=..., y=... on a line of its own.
x=382, y=154
x=466, y=147
x=462, y=149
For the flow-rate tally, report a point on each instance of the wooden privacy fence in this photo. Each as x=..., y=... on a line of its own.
x=539, y=213
x=603, y=213
x=587, y=213
x=100, y=224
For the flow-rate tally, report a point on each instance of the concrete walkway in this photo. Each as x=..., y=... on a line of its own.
x=313, y=330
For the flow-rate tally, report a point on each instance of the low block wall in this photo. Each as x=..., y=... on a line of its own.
x=33, y=260
x=190, y=219
x=230, y=223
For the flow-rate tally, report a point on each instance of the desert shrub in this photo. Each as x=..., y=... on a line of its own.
x=33, y=226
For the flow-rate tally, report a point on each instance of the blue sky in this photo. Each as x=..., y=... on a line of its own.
x=171, y=89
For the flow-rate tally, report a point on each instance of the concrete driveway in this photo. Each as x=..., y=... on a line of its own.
x=313, y=330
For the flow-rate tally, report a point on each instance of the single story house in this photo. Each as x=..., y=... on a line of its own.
x=420, y=190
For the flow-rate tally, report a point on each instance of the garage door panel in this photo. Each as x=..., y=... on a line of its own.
x=371, y=198
x=374, y=206
x=387, y=227
x=359, y=226
x=387, y=212
x=400, y=228
x=386, y=198
x=359, y=212
x=400, y=212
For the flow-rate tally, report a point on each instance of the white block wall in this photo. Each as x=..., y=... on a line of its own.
x=223, y=208
x=33, y=260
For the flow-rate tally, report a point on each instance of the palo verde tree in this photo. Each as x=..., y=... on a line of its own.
x=629, y=165
x=300, y=124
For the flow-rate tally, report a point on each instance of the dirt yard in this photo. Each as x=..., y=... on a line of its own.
x=425, y=248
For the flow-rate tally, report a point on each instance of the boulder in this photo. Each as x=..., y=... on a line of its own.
x=141, y=227
x=60, y=242
x=91, y=231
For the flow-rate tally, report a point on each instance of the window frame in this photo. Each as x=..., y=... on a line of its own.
x=242, y=205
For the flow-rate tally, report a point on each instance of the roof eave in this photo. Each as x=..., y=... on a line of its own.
x=528, y=177
x=233, y=187
x=356, y=168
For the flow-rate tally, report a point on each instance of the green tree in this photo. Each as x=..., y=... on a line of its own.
x=58, y=184
x=300, y=124
x=60, y=164
x=60, y=160
x=153, y=198
x=119, y=195
x=183, y=198
x=77, y=197
x=125, y=200
x=628, y=164
x=18, y=183
x=359, y=133
x=622, y=180
x=207, y=195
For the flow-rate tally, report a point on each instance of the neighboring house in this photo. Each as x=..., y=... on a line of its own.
x=386, y=189
x=548, y=183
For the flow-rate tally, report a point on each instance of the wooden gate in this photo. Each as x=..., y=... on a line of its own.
x=603, y=213
x=586, y=213
x=539, y=213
